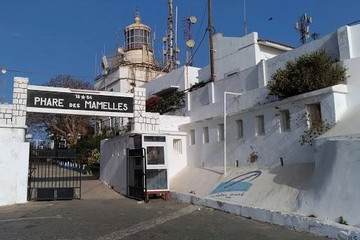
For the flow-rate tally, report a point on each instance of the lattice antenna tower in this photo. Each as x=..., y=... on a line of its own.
x=303, y=27
x=190, y=43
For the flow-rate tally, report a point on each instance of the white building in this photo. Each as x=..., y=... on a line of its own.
x=263, y=136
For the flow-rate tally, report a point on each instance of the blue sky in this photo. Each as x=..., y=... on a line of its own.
x=40, y=39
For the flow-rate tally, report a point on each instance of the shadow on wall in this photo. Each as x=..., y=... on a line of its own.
x=294, y=175
x=333, y=189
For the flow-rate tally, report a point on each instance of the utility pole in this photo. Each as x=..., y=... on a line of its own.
x=303, y=27
x=211, y=44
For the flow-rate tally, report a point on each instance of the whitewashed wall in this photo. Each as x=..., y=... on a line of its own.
x=113, y=165
x=354, y=40
x=183, y=77
x=353, y=81
x=333, y=189
x=14, y=159
x=274, y=143
x=14, y=164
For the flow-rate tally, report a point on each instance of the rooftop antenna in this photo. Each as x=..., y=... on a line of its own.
x=303, y=27
x=190, y=43
x=245, y=21
x=170, y=39
x=177, y=50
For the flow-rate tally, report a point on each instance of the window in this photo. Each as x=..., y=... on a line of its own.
x=221, y=132
x=205, y=135
x=192, y=137
x=177, y=145
x=314, y=115
x=240, y=130
x=156, y=179
x=154, y=139
x=260, y=125
x=155, y=155
x=285, y=120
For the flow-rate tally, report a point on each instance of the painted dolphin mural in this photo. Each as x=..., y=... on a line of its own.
x=241, y=183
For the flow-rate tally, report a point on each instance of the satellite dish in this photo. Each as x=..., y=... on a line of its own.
x=177, y=50
x=120, y=50
x=190, y=43
x=3, y=70
x=164, y=52
x=164, y=39
x=177, y=62
x=193, y=19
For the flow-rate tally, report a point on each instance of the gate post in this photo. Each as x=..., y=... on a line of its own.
x=14, y=160
x=143, y=121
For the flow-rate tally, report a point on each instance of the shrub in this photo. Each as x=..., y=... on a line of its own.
x=165, y=104
x=307, y=73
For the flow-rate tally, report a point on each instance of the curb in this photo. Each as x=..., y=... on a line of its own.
x=290, y=220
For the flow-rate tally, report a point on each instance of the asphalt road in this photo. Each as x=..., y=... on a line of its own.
x=127, y=219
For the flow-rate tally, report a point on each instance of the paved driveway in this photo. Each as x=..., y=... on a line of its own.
x=116, y=217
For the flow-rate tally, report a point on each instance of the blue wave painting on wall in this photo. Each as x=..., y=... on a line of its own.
x=241, y=183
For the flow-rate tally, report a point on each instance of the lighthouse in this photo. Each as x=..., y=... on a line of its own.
x=131, y=65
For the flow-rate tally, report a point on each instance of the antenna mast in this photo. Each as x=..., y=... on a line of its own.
x=245, y=18
x=187, y=22
x=171, y=59
x=303, y=27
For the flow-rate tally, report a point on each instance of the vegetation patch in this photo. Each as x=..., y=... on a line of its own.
x=307, y=73
x=164, y=104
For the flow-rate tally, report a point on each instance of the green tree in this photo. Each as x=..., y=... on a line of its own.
x=307, y=73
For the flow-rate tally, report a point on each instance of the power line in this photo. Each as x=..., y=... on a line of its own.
x=46, y=74
x=197, y=48
x=202, y=21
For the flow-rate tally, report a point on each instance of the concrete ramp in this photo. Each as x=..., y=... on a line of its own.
x=197, y=181
x=95, y=189
x=276, y=189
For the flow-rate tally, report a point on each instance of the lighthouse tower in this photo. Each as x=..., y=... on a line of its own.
x=132, y=65
x=137, y=44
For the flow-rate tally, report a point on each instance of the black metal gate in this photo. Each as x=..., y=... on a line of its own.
x=54, y=175
x=136, y=173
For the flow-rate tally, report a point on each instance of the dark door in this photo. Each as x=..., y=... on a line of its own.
x=136, y=173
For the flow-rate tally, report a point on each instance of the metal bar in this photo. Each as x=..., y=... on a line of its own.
x=144, y=173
